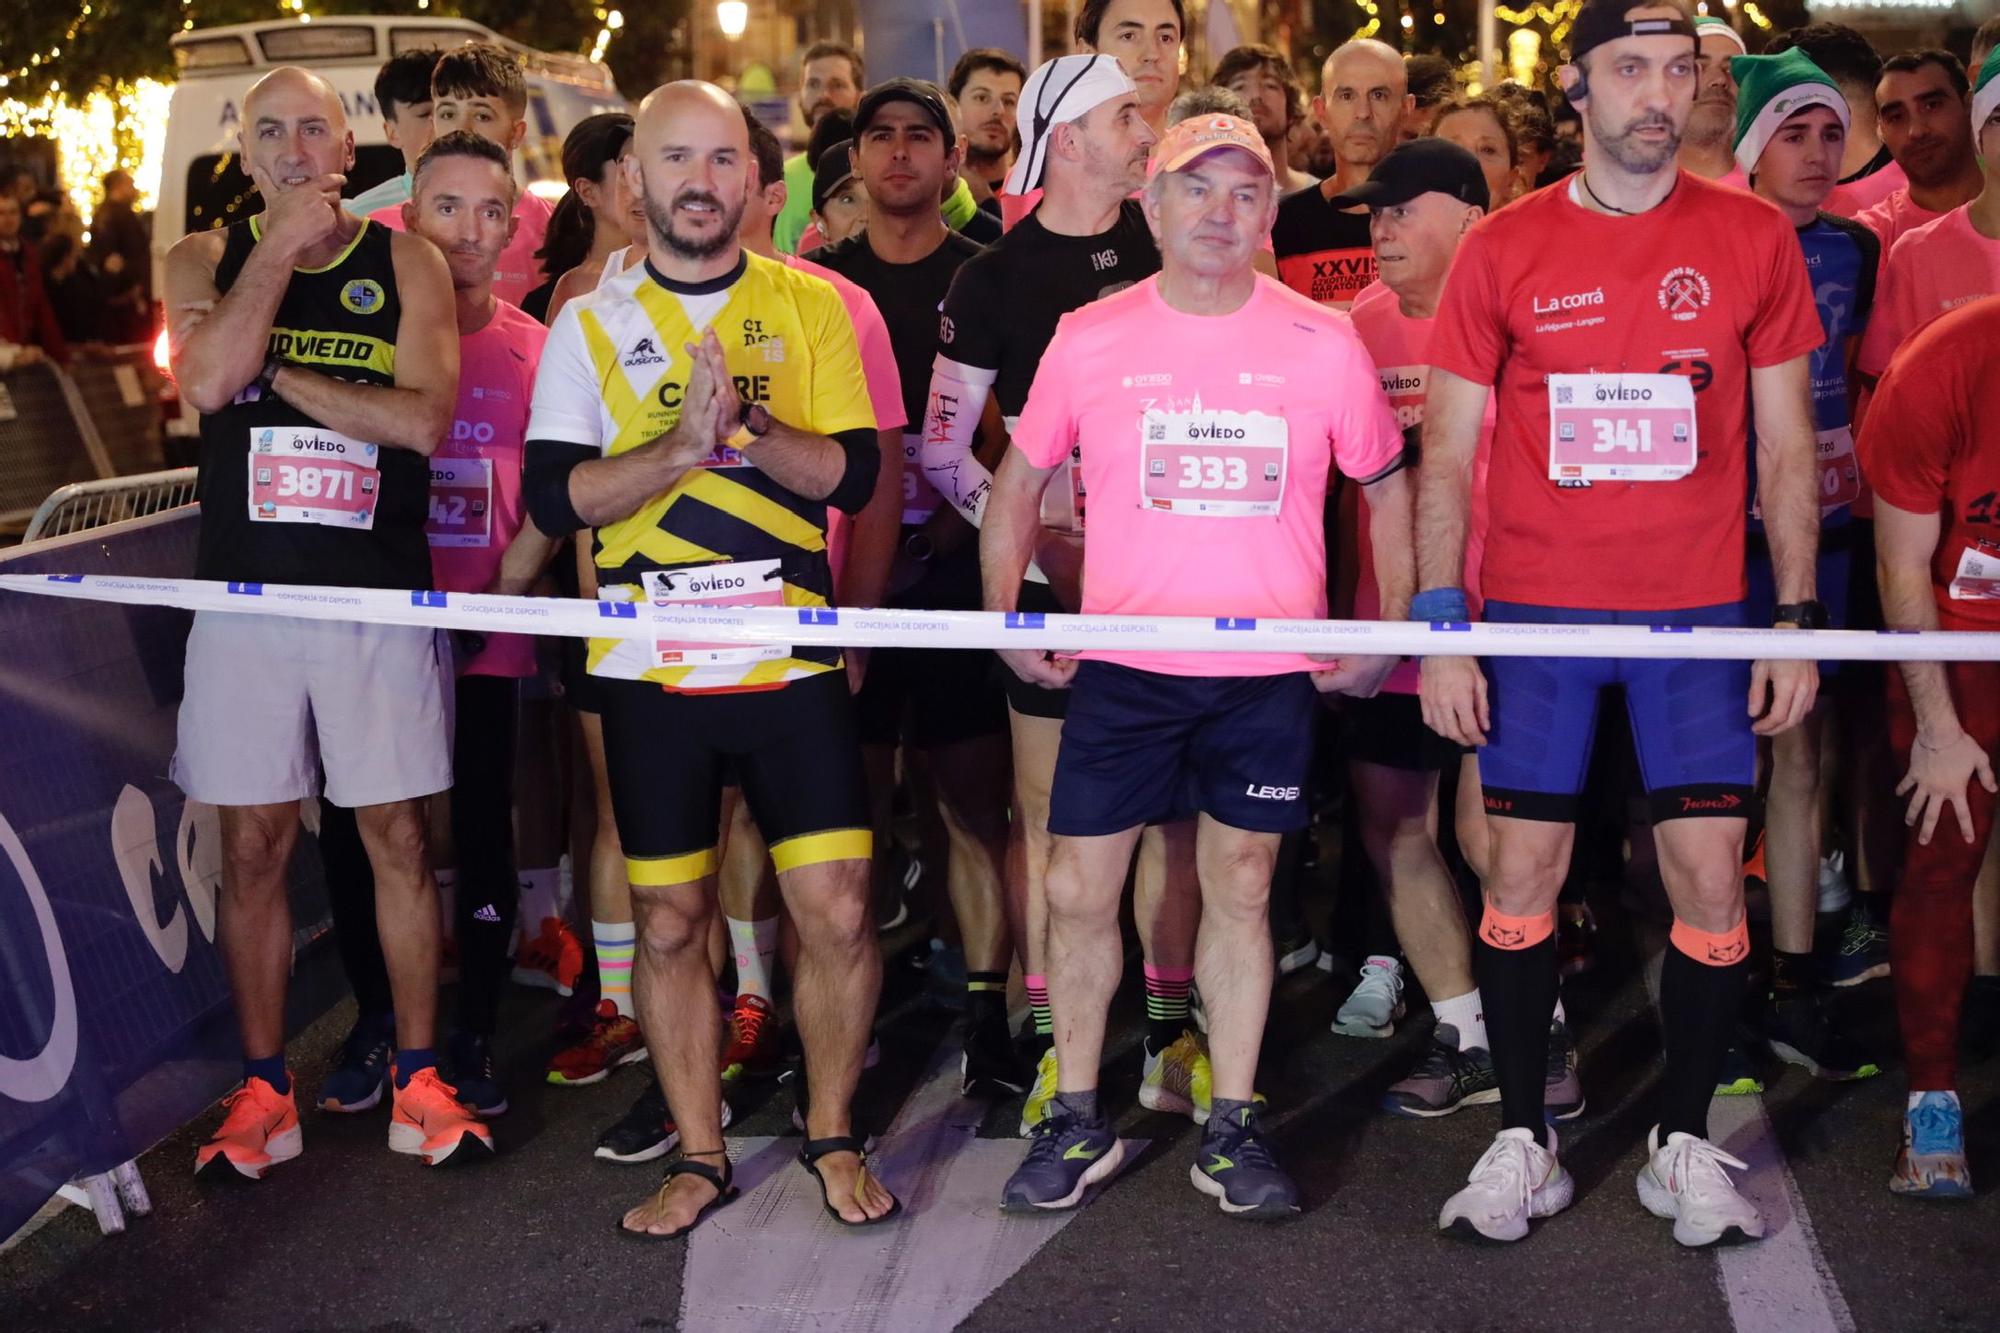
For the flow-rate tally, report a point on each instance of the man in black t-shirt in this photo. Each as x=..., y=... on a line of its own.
x=322, y=354
x=905, y=258
x=1324, y=252
x=1084, y=146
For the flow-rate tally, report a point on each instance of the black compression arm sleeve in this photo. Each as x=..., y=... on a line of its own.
x=545, y=484
x=864, y=463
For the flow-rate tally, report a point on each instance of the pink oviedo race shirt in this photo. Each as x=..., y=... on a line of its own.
x=518, y=272
x=1206, y=444
x=476, y=473
x=1935, y=269
x=1400, y=347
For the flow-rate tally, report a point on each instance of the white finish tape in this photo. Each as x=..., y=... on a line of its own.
x=848, y=627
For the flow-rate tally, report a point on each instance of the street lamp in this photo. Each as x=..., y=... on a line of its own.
x=732, y=16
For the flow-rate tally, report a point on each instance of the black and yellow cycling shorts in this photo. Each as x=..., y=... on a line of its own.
x=794, y=750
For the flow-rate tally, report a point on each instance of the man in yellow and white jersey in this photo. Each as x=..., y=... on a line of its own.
x=701, y=420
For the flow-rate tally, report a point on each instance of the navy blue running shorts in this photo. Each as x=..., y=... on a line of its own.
x=1141, y=747
x=1690, y=721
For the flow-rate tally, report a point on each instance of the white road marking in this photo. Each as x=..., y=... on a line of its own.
x=1781, y=1284
x=774, y=1260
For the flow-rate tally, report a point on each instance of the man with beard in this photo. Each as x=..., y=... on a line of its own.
x=986, y=83
x=1324, y=252
x=1950, y=262
x=699, y=421
x=831, y=78
x=1705, y=149
x=1637, y=304
x=1263, y=78
x=1923, y=109
x=905, y=259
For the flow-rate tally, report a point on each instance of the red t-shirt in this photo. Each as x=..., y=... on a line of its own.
x=1929, y=447
x=1706, y=286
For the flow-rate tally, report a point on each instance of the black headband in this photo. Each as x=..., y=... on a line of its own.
x=1601, y=23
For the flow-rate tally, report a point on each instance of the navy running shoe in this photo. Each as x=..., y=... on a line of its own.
x=1236, y=1167
x=1065, y=1158
x=361, y=1079
x=473, y=1075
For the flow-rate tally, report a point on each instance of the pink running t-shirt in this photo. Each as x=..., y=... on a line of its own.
x=1937, y=268
x=1849, y=200
x=518, y=272
x=1400, y=347
x=1894, y=218
x=885, y=386
x=476, y=473
x=1206, y=444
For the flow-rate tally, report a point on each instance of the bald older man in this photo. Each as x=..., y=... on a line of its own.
x=699, y=422
x=1324, y=252
x=322, y=354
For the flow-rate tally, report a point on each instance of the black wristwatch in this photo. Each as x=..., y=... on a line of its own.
x=272, y=365
x=756, y=419
x=1806, y=615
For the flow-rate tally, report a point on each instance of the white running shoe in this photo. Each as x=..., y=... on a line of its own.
x=1376, y=1003
x=1683, y=1180
x=1517, y=1179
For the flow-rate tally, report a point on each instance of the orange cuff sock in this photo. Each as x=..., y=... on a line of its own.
x=1515, y=932
x=1712, y=950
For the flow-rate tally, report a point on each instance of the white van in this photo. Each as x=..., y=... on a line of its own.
x=201, y=185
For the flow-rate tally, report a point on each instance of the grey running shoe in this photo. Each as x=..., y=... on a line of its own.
x=1235, y=1167
x=1376, y=1002
x=1445, y=1079
x=1562, y=1090
x=1065, y=1158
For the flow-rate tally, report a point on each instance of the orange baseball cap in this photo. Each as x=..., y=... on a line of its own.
x=1187, y=140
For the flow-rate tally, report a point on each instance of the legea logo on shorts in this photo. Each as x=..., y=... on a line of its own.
x=1260, y=793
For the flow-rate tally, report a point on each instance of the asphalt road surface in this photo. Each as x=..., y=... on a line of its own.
x=353, y=1237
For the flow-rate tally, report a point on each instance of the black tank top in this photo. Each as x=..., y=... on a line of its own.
x=340, y=320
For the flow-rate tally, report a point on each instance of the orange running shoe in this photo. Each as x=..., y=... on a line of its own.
x=430, y=1122
x=260, y=1128
x=753, y=1040
x=551, y=960
x=614, y=1040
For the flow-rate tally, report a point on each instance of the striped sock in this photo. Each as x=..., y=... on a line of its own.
x=616, y=942
x=1166, y=1005
x=756, y=946
x=986, y=993
x=1038, y=1005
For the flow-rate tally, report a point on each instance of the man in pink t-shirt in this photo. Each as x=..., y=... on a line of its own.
x=1946, y=263
x=1208, y=406
x=462, y=201
x=1921, y=112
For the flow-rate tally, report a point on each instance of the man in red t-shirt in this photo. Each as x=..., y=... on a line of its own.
x=1921, y=110
x=1622, y=359
x=1931, y=452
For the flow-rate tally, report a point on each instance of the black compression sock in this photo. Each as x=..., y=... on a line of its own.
x=1517, y=987
x=1699, y=1002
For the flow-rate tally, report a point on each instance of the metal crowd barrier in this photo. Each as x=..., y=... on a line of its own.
x=92, y=504
x=47, y=440
x=121, y=399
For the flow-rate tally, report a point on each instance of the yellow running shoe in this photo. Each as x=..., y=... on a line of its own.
x=1036, y=1109
x=1178, y=1079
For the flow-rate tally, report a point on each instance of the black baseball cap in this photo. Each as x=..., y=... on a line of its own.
x=835, y=169
x=1421, y=166
x=920, y=92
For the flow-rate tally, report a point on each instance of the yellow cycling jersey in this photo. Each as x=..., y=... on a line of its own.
x=612, y=378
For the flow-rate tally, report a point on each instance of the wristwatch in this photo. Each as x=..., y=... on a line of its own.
x=1806, y=615
x=272, y=365
x=752, y=427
